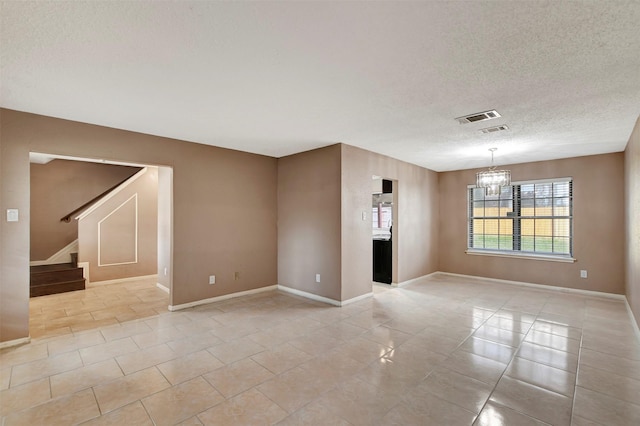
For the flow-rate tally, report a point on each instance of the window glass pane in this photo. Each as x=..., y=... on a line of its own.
x=491, y=207
x=526, y=207
x=506, y=226
x=478, y=241
x=527, y=226
x=506, y=206
x=478, y=226
x=544, y=190
x=544, y=207
x=544, y=244
x=526, y=243
x=561, y=245
x=478, y=193
x=506, y=193
x=544, y=227
x=561, y=207
x=562, y=227
x=491, y=241
x=526, y=191
x=561, y=189
x=505, y=242
x=491, y=226
x=478, y=208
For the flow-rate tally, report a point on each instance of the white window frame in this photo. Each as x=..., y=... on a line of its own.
x=556, y=257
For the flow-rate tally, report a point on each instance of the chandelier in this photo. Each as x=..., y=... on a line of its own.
x=492, y=180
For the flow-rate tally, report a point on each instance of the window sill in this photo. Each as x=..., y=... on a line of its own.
x=530, y=256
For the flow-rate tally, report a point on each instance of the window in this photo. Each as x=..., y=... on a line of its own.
x=531, y=218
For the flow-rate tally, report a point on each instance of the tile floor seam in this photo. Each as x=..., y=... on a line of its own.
x=575, y=387
x=611, y=354
x=524, y=414
x=611, y=373
x=636, y=404
x=515, y=352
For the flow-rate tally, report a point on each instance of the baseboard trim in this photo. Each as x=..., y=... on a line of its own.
x=16, y=342
x=85, y=272
x=634, y=323
x=356, y=299
x=121, y=280
x=323, y=299
x=413, y=280
x=173, y=308
x=163, y=288
x=308, y=295
x=540, y=286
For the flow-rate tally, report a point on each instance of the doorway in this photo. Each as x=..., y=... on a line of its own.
x=384, y=216
x=126, y=297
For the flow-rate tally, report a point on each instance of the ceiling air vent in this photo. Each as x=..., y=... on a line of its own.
x=479, y=116
x=495, y=129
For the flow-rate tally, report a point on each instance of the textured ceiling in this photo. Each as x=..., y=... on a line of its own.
x=280, y=78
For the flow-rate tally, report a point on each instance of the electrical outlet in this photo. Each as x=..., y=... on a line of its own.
x=236, y=276
x=364, y=215
x=583, y=273
x=212, y=279
x=165, y=272
x=317, y=278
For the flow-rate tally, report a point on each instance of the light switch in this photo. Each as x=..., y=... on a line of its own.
x=364, y=215
x=12, y=215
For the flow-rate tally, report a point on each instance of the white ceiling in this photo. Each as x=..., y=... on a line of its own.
x=279, y=78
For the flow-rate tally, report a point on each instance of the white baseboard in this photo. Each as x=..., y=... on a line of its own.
x=219, y=298
x=540, y=286
x=121, y=280
x=323, y=299
x=163, y=288
x=356, y=299
x=16, y=342
x=413, y=280
x=308, y=295
x=85, y=272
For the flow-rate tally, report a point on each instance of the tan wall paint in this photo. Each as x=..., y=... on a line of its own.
x=309, y=221
x=117, y=243
x=415, y=228
x=58, y=188
x=165, y=225
x=598, y=226
x=632, y=209
x=224, y=207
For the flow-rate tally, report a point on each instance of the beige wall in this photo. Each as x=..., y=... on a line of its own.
x=632, y=209
x=309, y=221
x=119, y=237
x=415, y=227
x=224, y=208
x=58, y=188
x=321, y=197
x=598, y=187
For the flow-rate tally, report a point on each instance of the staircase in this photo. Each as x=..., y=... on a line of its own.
x=56, y=278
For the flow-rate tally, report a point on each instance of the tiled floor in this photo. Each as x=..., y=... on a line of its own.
x=445, y=351
x=66, y=313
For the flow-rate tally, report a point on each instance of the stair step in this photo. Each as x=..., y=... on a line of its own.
x=56, y=276
x=52, y=267
x=59, y=287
